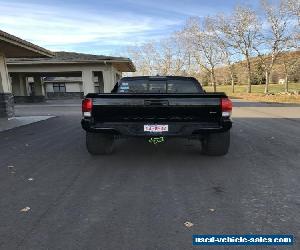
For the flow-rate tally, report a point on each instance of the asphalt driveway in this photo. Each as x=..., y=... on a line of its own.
x=54, y=195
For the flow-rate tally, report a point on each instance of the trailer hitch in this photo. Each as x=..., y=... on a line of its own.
x=156, y=140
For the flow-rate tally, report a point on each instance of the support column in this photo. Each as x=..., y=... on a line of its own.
x=6, y=97
x=23, y=85
x=38, y=87
x=18, y=82
x=88, y=82
x=37, y=91
x=108, y=81
x=15, y=84
x=98, y=75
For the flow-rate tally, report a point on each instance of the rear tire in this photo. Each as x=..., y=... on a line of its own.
x=98, y=143
x=216, y=144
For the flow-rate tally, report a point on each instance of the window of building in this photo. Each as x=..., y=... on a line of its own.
x=59, y=87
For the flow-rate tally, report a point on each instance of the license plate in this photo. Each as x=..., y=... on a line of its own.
x=156, y=128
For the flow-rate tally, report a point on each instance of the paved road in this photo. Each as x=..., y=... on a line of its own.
x=140, y=197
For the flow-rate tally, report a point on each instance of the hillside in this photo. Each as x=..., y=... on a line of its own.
x=287, y=63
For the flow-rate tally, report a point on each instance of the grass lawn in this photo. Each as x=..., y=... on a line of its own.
x=276, y=92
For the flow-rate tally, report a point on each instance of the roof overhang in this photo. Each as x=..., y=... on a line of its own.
x=124, y=66
x=12, y=46
x=120, y=65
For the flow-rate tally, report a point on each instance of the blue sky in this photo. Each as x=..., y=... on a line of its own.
x=102, y=27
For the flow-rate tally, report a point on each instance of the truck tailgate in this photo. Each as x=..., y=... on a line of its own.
x=155, y=108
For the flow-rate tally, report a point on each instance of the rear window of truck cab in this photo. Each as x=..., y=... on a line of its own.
x=172, y=86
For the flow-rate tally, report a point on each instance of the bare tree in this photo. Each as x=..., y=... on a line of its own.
x=242, y=30
x=203, y=46
x=290, y=59
x=182, y=59
x=206, y=50
x=227, y=55
x=165, y=57
x=174, y=56
x=274, y=37
x=185, y=44
x=290, y=64
x=146, y=58
x=293, y=6
x=226, y=50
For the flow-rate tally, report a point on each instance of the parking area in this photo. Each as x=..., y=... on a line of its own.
x=54, y=195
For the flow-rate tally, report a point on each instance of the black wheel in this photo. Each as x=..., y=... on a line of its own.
x=216, y=144
x=98, y=143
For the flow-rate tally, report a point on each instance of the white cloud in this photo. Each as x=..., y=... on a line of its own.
x=185, y=7
x=64, y=27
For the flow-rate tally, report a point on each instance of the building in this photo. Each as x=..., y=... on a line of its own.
x=65, y=75
x=29, y=73
x=11, y=46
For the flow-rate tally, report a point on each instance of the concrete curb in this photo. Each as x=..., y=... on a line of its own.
x=14, y=122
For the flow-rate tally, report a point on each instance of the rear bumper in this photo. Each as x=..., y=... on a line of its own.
x=178, y=129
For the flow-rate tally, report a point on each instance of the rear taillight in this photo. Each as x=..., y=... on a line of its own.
x=87, y=105
x=226, y=106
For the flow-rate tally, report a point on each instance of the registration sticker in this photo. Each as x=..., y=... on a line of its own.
x=156, y=128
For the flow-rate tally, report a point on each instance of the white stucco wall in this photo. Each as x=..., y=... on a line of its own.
x=49, y=87
x=109, y=73
x=73, y=87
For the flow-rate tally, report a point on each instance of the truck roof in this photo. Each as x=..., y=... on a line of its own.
x=158, y=77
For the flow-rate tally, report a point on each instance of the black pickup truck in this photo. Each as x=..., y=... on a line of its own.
x=157, y=106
